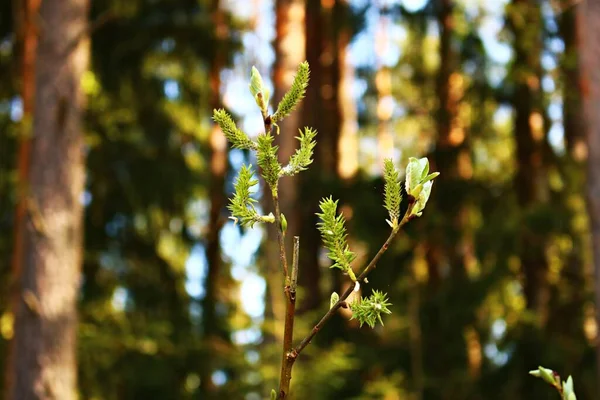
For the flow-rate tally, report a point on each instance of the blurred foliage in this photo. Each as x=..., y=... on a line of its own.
x=461, y=325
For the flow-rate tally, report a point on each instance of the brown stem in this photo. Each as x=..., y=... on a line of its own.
x=287, y=361
x=290, y=284
x=371, y=266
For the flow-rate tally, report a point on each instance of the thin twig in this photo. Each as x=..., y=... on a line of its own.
x=295, y=261
x=287, y=361
x=371, y=266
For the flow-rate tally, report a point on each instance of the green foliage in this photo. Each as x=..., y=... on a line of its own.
x=241, y=205
x=259, y=92
x=237, y=138
x=419, y=182
x=565, y=388
x=333, y=299
x=333, y=232
x=368, y=310
x=296, y=93
x=267, y=160
x=302, y=158
x=392, y=193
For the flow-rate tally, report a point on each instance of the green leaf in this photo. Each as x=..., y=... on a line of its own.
x=333, y=232
x=284, y=223
x=424, y=193
x=568, y=390
x=430, y=177
x=273, y=394
x=234, y=135
x=414, y=173
x=302, y=158
x=296, y=93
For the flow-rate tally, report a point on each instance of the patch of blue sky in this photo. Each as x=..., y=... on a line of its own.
x=556, y=137
x=489, y=30
x=16, y=109
x=171, y=89
x=195, y=269
x=503, y=114
x=247, y=336
x=413, y=5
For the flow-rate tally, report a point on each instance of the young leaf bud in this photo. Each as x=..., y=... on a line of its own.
x=333, y=299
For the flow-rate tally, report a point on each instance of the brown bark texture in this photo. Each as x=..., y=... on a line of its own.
x=42, y=362
x=322, y=112
x=531, y=184
x=590, y=87
x=289, y=53
x=211, y=324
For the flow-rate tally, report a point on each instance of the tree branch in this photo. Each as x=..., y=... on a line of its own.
x=287, y=361
x=370, y=267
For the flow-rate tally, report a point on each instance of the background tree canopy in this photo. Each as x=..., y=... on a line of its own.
x=175, y=301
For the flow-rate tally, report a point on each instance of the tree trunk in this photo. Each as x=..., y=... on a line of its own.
x=568, y=300
x=213, y=326
x=322, y=53
x=42, y=363
x=573, y=121
x=27, y=38
x=289, y=53
x=590, y=87
x=531, y=186
x=452, y=157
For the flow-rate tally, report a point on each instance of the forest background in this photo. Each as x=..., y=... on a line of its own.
x=121, y=274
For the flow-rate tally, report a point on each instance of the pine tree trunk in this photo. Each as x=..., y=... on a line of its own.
x=213, y=326
x=27, y=38
x=590, y=87
x=452, y=157
x=530, y=181
x=42, y=363
x=322, y=112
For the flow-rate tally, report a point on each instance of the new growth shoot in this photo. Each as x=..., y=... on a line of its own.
x=332, y=225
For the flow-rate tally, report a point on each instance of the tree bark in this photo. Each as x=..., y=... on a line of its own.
x=452, y=156
x=289, y=53
x=573, y=121
x=322, y=112
x=531, y=186
x=25, y=14
x=213, y=326
x=42, y=363
x=590, y=87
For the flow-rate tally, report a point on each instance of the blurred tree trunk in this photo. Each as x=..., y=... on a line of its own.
x=322, y=112
x=214, y=329
x=449, y=250
x=590, y=87
x=25, y=14
x=452, y=157
x=525, y=21
x=289, y=53
x=568, y=299
x=42, y=363
x=573, y=121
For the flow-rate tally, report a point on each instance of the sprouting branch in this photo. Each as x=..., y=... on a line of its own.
x=370, y=267
x=331, y=226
